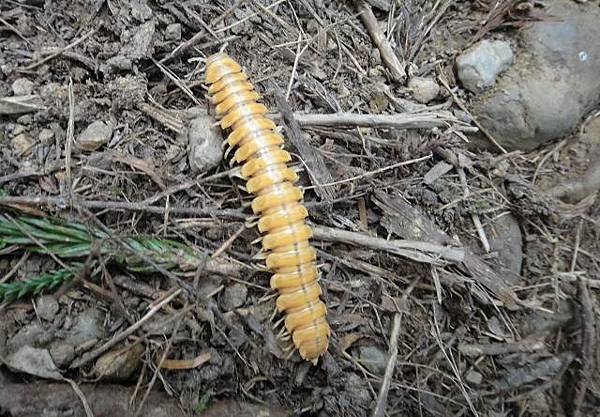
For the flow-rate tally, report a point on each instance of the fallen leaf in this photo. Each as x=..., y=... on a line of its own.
x=120, y=363
x=186, y=363
x=140, y=164
x=33, y=361
x=348, y=340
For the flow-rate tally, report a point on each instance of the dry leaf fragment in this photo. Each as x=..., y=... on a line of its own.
x=186, y=363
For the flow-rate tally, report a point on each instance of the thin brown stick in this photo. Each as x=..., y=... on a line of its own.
x=120, y=205
x=15, y=30
x=423, y=120
x=588, y=343
x=39, y=173
x=60, y=51
x=159, y=364
x=493, y=349
x=316, y=167
x=418, y=251
x=229, y=241
x=393, y=353
x=375, y=172
x=388, y=56
x=127, y=332
x=69, y=141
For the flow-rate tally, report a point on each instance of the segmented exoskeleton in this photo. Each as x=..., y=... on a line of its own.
x=278, y=203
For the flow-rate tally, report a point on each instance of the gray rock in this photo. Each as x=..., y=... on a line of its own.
x=46, y=136
x=87, y=327
x=18, y=129
x=141, y=45
x=62, y=354
x=424, y=89
x=479, y=66
x=505, y=238
x=140, y=10
x=591, y=134
x=373, y=358
x=474, y=377
x=553, y=83
x=22, y=87
x=173, y=32
x=22, y=144
x=47, y=307
x=120, y=62
x=94, y=136
x=234, y=296
x=33, y=361
x=31, y=335
x=204, y=144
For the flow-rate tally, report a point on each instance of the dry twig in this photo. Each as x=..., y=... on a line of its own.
x=60, y=51
x=393, y=353
x=387, y=53
x=127, y=332
x=423, y=120
x=417, y=251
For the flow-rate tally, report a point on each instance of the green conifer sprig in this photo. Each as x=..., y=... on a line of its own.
x=71, y=240
x=10, y=291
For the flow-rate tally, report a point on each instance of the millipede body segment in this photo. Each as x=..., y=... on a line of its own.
x=277, y=203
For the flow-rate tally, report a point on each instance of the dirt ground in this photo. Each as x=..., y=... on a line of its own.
x=400, y=224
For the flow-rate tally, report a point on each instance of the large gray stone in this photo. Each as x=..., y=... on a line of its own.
x=553, y=83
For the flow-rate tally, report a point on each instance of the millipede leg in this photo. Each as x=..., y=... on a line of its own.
x=252, y=221
x=260, y=255
x=273, y=315
x=283, y=333
x=279, y=322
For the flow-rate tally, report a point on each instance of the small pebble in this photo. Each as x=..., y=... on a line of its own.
x=94, y=136
x=46, y=136
x=479, y=66
x=204, y=144
x=26, y=120
x=120, y=62
x=424, y=89
x=373, y=358
x=22, y=87
x=22, y=144
x=141, y=44
x=173, y=32
x=140, y=10
x=234, y=296
x=47, y=307
x=62, y=354
x=474, y=377
x=18, y=129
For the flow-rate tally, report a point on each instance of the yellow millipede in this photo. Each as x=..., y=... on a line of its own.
x=277, y=203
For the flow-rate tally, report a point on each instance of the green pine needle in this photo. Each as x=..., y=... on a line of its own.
x=33, y=286
x=45, y=235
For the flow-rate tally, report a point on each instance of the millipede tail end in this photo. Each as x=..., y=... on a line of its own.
x=259, y=149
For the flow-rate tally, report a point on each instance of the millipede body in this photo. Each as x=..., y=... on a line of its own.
x=277, y=203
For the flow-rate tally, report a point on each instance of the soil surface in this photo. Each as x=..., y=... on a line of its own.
x=487, y=279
